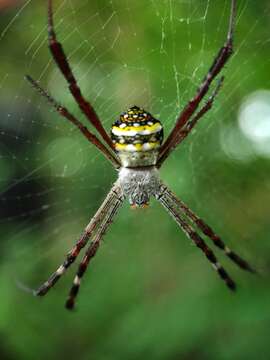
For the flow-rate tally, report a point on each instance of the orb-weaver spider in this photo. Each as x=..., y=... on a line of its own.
x=135, y=150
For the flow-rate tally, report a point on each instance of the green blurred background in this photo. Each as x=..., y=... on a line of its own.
x=149, y=293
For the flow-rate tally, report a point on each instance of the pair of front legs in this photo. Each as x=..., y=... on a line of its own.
x=94, y=230
x=180, y=212
x=97, y=227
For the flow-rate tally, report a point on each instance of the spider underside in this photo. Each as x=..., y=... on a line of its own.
x=135, y=149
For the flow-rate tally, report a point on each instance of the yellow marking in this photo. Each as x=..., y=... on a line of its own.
x=151, y=128
x=137, y=147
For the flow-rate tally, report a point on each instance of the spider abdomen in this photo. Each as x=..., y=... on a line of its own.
x=136, y=136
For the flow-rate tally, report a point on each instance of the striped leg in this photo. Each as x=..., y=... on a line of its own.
x=207, y=230
x=165, y=200
x=106, y=207
x=91, y=251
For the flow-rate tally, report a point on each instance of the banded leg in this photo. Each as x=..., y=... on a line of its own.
x=100, y=215
x=66, y=114
x=164, y=199
x=62, y=62
x=91, y=252
x=207, y=230
x=219, y=62
x=183, y=133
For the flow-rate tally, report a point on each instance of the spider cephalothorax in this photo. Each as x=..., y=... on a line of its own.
x=137, y=136
x=139, y=184
x=135, y=149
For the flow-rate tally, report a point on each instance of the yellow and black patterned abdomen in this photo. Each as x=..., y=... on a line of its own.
x=136, y=131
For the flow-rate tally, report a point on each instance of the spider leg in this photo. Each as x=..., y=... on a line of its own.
x=219, y=62
x=107, y=206
x=65, y=113
x=91, y=251
x=62, y=62
x=169, y=205
x=183, y=133
x=206, y=229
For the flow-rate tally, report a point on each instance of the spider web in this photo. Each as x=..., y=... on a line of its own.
x=152, y=54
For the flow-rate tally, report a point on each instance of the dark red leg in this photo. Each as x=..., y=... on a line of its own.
x=221, y=59
x=61, y=60
x=183, y=133
x=66, y=114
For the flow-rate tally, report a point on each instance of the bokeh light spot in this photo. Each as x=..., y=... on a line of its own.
x=254, y=121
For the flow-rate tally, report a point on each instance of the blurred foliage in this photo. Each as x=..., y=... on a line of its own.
x=147, y=294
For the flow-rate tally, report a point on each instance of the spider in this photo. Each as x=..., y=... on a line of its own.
x=136, y=150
